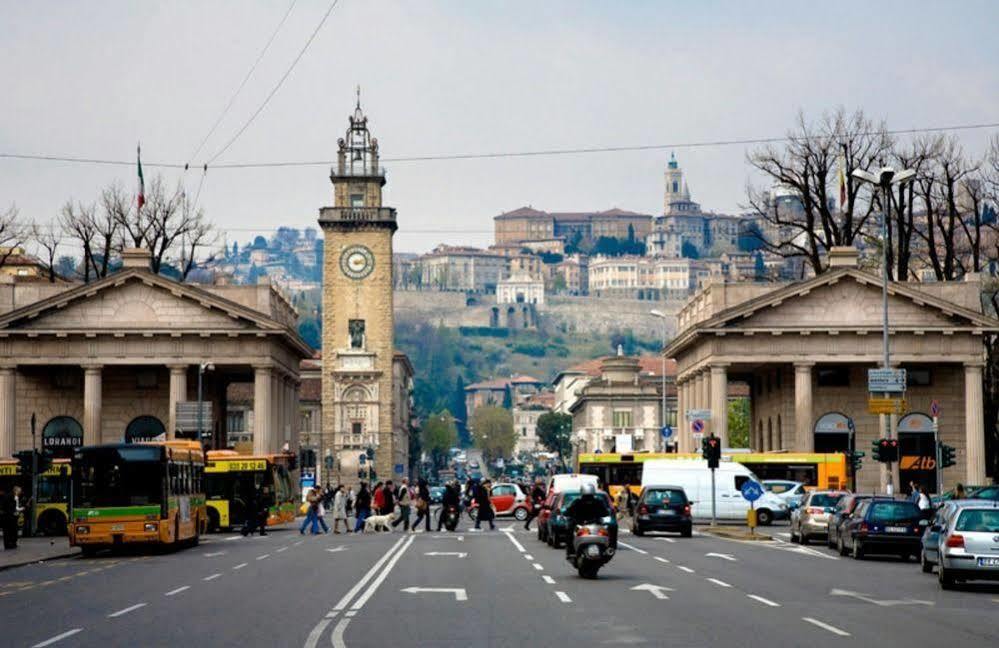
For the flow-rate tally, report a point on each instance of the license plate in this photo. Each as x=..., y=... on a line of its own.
x=117, y=527
x=593, y=551
x=894, y=529
x=988, y=562
x=666, y=512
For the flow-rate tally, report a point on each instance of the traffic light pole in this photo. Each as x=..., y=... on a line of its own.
x=714, y=521
x=936, y=451
x=34, y=481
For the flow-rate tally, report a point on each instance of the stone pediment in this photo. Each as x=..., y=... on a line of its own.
x=133, y=300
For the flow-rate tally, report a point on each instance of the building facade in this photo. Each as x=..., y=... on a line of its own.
x=527, y=224
x=521, y=288
x=460, y=268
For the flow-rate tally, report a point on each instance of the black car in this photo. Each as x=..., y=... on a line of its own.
x=883, y=526
x=844, y=509
x=662, y=508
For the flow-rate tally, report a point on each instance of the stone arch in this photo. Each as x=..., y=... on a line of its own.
x=145, y=428
x=511, y=317
x=494, y=317
x=832, y=432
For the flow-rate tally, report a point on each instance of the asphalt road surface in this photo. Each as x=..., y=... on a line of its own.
x=500, y=588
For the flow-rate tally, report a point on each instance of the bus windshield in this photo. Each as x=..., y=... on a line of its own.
x=106, y=477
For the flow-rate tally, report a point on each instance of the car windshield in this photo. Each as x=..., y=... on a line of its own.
x=978, y=520
x=665, y=496
x=825, y=499
x=989, y=493
x=894, y=511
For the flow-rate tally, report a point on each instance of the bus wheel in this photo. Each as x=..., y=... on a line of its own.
x=213, y=521
x=52, y=523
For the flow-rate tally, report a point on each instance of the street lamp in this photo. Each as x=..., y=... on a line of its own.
x=661, y=315
x=204, y=366
x=886, y=178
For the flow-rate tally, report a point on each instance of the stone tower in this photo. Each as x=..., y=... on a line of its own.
x=357, y=315
x=676, y=186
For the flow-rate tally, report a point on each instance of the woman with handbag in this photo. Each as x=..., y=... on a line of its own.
x=422, y=505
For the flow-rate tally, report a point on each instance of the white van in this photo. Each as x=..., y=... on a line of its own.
x=570, y=482
x=694, y=476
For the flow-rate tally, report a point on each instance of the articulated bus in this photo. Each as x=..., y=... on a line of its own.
x=815, y=470
x=230, y=478
x=52, y=502
x=137, y=493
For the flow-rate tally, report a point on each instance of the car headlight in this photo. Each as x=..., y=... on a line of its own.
x=82, y=530
x=151, y=526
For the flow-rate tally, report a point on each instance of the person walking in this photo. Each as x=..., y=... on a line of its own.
x=388, y=498
x=340, y=509
x=255, y=520
x=378, y=498
x=362, y=507
x=959, y=492
x=310, y=514
x=422, y=505
x=405, y=500
x=8, y=517
x=537, y=499
x=484, y=505
x=349, y=501
x=321, y=510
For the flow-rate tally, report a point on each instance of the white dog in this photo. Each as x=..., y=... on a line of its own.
x=379, y=522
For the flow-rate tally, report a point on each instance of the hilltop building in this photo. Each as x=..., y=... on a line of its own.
x=527, y=224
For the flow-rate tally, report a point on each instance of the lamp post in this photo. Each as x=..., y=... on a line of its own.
x=204, y=366
x=661, y=315
x=885, y=179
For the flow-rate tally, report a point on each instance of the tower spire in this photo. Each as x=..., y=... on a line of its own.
x=358, y=96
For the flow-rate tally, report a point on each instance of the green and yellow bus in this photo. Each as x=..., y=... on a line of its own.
x=52, y=502
x=816, y=470
x=231, y=478
x=137, y=493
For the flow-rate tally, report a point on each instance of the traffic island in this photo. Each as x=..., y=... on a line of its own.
x=736, y=533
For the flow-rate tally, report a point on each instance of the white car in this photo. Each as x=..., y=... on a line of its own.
x=792, y=492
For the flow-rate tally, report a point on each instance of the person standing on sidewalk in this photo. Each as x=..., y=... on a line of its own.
x=8, y=518
x=405, y=499
x=362, y=507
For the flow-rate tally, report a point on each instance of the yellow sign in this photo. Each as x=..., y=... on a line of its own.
x=886, y=405
x=8, y=470
x=917, y=463
x=236, y=465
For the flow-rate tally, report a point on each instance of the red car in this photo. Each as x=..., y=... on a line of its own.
x=545, y=513
x=507, y=499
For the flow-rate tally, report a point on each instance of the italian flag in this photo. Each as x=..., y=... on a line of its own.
x=142, y=183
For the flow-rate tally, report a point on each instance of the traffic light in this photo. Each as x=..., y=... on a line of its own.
x=947, y=456
x=876, y=450
x=24, y=459
x=370, y=452
x=712, y=450
x=890, y=452
x=856, y=458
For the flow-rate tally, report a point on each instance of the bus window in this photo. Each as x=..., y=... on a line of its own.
x=625, y=473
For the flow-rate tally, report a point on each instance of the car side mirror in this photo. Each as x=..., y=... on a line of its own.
x=924, y=522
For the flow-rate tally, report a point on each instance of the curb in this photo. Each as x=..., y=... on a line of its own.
x=32, y=561
x=736, y=534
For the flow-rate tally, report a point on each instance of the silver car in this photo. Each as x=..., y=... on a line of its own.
x=811, y=519
x=968, y=546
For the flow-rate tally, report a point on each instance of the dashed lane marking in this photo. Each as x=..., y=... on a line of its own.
x=548, y=579
x=123, y=611
x=538, y=566
x=562, y=596
x=686, y=569
x=763, y=600
x=516, y=543
x=529, y=556
x=240, y=565
x=633, y=548
x=661, y=559
x=177, y=591
x=212, y=577
x=826, y=626
x=282, y=549
x=262, y=557
x=669, y=540
x=58, y=637
x=717, y=582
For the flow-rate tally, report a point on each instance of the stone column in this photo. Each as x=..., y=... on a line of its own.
x=719, y=402
x=92, y=401
x=974, y=424
x=681, y=429
x=262, y=423
x=803, y=434
x=296, y=417
x=178, y=393
x=8, y=412
x=705, y=398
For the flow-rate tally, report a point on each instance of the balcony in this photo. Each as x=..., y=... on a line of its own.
x=357, y=170
x=357, y=216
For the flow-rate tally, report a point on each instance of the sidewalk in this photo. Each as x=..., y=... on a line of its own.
x=30, y=550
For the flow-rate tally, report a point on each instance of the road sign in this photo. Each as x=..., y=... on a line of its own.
x=398, y=469
x=886, y=405
x=752, y=491
x=697, y=427
x=666, y=431
x=886, y=381
x=703, y=414
x=935, y=408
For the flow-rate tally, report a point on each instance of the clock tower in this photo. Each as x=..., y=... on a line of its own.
x=358, y=341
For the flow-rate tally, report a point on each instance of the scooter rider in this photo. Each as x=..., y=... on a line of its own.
x=450, y=498
x=586, y=509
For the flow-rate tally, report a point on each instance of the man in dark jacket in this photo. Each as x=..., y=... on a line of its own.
x=537, y=499
x=451, y=497
x=484, y=505
x=8, y=518
x=362, y=506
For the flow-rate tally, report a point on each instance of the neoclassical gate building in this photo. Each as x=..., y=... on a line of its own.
x=109, y=360
x=805, y=348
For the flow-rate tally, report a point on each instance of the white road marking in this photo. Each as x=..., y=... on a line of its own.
x=655, y=590
x=230, y=538
x=240, y=565
x=763, y=600
x=717, y=582
x=686, y=569
x=728, y=557
x=212, y=577
x=459, y=554
x=337, y=638
x=58, y=637
x=562, y=596
x=628, y=546
x=882, y=602
x=178, y=590
x=516, y=544
x=313, y=639
x=826, y=626
x=214, y=553
x=280, y=549
x=297, y=543
x=459, y=592
x=548, y=579
x=262, y=557
x=538, y=566
x=357, y=586
x=337, y=549
x=351, y=613
x=130, y=608
x=661, y=559
x=529, y=556
x=669, y=540
x=363, y=598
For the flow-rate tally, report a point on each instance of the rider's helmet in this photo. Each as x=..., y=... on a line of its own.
x=587, y=491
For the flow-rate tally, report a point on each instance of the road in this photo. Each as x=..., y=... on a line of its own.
x=501, y=588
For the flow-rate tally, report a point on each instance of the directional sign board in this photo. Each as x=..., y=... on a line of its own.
x=752, y=491
x=694, y=414
x=666, y=431
x=886, y=381
x=697, y=426
x=935, y=409
x=886, y=405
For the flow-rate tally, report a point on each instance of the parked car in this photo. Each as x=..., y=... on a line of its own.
x=662, y=508
x=558, y=525
x=545, y=513
x=985, y=493
x=968, y=547
x=946, y=496
x=791, y=492
x=930, y=554
x=844, y=509
x=885, y=526
x=811, y=519
x=507, y=499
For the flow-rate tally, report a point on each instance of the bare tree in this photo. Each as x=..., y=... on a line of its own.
x=200, y=236
x=902, y=229
x=12, y=233
x=806, y=167
x=49, y=238
x=168, y=221
x=77, y=223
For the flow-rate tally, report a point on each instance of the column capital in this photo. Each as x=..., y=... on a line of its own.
x=974, y=365
x=719, y=367
x=263, y=368
x=803, y=365
x=8, y=368
x=178, y=368
x=92, y=368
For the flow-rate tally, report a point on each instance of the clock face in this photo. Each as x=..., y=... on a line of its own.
x=357, y=262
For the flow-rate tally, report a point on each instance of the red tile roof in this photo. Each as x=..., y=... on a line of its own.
x=648, y=364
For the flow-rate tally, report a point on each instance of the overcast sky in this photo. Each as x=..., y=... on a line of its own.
x=91, y=79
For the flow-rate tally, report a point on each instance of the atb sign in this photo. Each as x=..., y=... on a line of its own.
x=886, y=381
x=752, y=491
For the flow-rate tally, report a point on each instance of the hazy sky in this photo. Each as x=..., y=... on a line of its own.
x=92, y=78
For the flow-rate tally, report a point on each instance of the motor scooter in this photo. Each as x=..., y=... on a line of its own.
x=591, y=549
